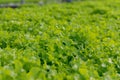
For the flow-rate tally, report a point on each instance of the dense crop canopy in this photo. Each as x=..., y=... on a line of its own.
x=75, y=41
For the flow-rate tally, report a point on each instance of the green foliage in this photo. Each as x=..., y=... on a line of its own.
x=70, y=41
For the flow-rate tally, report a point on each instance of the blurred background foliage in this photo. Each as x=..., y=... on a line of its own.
x=37, y=1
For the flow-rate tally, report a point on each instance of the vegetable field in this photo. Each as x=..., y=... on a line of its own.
x=69, y=41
